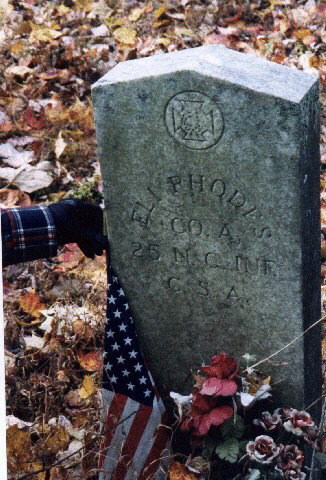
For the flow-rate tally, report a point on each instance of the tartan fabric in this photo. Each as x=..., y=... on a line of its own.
x=27, y=234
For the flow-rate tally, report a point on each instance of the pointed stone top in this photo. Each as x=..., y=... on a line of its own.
x=246, y=70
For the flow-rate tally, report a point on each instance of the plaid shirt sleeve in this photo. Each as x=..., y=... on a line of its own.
x=28, y=233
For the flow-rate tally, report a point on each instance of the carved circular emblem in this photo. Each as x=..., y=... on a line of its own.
x=194, y=120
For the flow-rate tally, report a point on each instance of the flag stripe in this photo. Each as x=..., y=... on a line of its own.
x=113, y=417
x=113, y=453
x=134, y=437
x=146, y=444
x=154, y=458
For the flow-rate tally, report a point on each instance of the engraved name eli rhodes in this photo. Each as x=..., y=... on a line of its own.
x=226, y=194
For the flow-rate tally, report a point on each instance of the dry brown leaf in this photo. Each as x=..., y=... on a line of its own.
x=73, y=399
x=160, y=12
x=60, y=145
x=88, y=388
x=14, y=198
x=31, y=304
x=43, y=34
x=82, y=330
x=184, y=32
x=125, y=35
x=136, y=14
x=178, y=471
x=92, y=361
x=57, y=440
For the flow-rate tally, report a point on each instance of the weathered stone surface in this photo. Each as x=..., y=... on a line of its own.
x=211, y=180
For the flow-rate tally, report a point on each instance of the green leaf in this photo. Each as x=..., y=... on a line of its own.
x=253, y=474
x=233, y=427
x=228, y=450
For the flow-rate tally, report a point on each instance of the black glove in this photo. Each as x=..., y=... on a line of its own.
x=80, y=222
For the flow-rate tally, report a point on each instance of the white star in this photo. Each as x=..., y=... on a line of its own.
x=108, y=366
x=127, y=341
x=133, y=354
x=117, y=314
x=121, y=292
x=147, y=393
x=105, y=354
x=142, y=380
x=115, y=279
x=126, y=306
x=130, y=386
x=112, y=299
x=122, y=327
x=125, y=373
x=138, y=367
x=113, y=379
x=109, y=285
x=109, y=333
x=121, y=359
x=115, y=346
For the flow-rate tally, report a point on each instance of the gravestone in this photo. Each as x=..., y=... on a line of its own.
x=211, y=182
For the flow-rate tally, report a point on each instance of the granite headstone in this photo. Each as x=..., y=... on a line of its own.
x=211, y=181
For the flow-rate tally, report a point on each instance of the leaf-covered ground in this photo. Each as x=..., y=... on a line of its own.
x=51, y=52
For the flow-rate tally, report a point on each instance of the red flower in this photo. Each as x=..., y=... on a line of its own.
x=204, y=414
x=290, y=458
x=269, y=422
x=222, y=366
x=214, y=418
x=215, y=386
x=298, y=422
x=262, y=450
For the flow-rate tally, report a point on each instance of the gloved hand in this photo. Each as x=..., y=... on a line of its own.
x=79, y=222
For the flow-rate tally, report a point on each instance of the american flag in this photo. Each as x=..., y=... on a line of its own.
x=134, y=431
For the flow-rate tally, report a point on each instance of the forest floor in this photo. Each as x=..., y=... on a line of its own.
x=51, y=52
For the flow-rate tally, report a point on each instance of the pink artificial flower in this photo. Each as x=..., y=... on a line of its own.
x=204, y=414
x=222, y=366
x=215, y=417
x=298, y=422
x=216, y=386
x=290, y=458
x=268, y=422
x=262, y=450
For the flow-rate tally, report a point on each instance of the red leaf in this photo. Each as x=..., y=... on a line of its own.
x=36, y=121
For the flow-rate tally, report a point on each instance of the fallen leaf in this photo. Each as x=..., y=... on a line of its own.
x=125, y=35
x=29, y=179
x=88, y=388
x=14, y=198
x=18, y=71
x=184, y=32
x=14, y=158
x=178, y=471
x=57, y=440
x=43, y=34
x=35, y=120
x=101, y=31
x=31, y=304
x=60, y=145
x=100, y=9
x=34, y=341
x=92, y=361
x=136, y=14
x=160, y=12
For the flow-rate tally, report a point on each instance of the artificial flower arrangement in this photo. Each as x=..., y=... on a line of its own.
x=229, y=434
